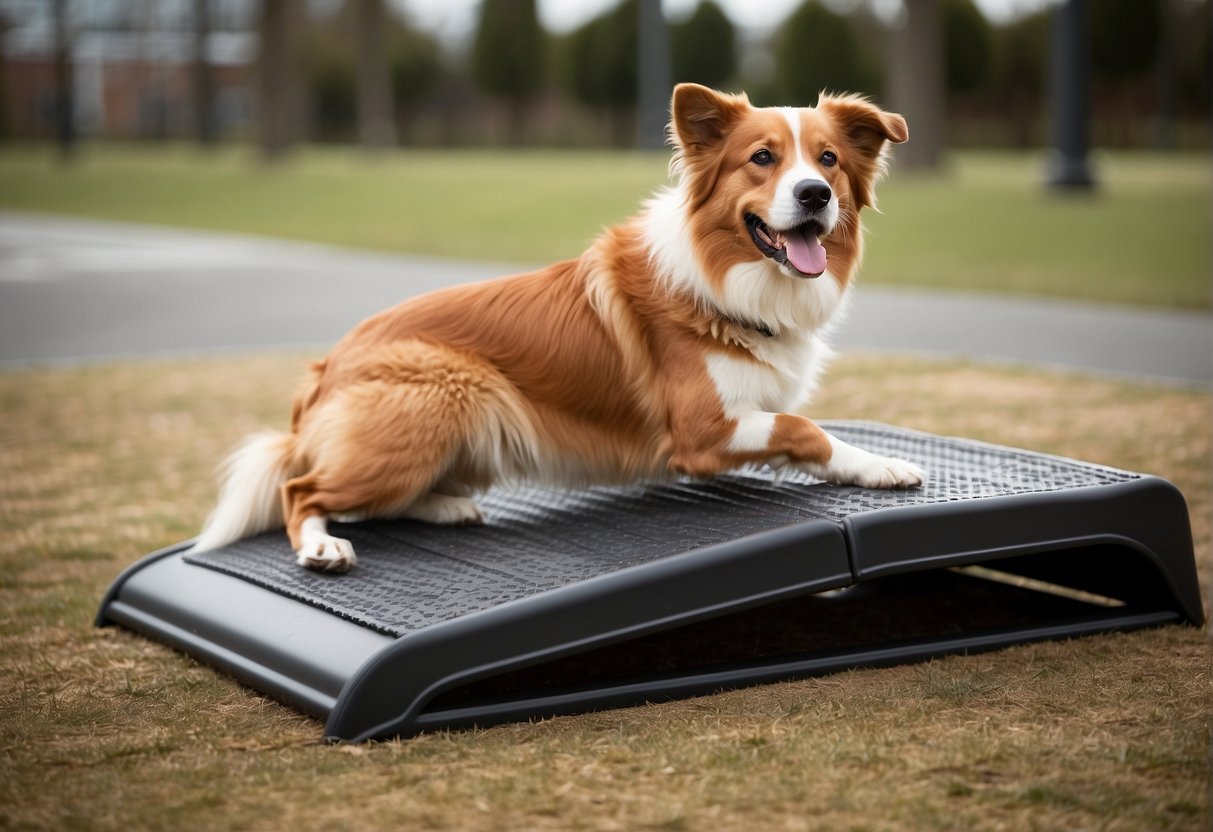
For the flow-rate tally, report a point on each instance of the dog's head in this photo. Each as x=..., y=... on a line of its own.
x=781, y=184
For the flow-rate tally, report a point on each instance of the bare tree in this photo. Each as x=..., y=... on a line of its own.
x=376, y=129
x=915, y=82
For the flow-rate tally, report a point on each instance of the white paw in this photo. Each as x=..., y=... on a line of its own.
x=326, y=554
x=888, y=472
x=444, y=509
x=849, y=465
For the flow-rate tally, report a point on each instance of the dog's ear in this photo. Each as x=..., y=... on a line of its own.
x=865, y=125
x=868, y=130
x=701, y=116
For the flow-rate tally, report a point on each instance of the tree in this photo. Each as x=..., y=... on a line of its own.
x=331, y=77
x=703, y=47
x=376, y=128
x=416, y=66
x=819, y=50
x=508, y=56
x=275, y=99
x=1193, y=30
x=915, y=78
x=1018, y=71
x=967, y=42
x=1124, y=37
x=1124, y=48
x=330, y=69
x=601, y=63
x=5, y=25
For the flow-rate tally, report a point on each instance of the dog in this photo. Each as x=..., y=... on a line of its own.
x=681, y=343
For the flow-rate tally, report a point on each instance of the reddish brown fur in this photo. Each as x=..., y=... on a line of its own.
x=589, y=365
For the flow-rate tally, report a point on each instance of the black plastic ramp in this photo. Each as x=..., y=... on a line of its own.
x=567, y=601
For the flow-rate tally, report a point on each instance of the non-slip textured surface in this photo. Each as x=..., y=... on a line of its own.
x=411, y=575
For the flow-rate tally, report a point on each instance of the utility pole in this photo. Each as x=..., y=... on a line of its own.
x=65, y=100
x=205, y=128
x=1069, y=89
x=653, y=76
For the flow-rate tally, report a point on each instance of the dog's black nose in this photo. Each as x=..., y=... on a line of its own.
x=812, y=194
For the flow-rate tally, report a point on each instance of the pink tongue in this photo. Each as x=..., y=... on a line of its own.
x=805, y=252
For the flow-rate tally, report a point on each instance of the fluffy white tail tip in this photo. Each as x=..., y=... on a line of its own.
x=249, y=501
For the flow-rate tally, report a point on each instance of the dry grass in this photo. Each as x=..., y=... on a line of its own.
x=101, y=729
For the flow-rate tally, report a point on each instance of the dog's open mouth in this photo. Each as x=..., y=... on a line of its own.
x=799, y=248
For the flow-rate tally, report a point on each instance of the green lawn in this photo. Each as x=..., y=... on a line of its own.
x=990, y=225
x=986, y=224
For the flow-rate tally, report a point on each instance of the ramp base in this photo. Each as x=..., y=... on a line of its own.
x=570, y=601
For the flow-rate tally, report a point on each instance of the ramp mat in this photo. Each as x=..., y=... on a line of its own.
x=566, y=601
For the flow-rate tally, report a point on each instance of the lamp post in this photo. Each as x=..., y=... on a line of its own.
x=1069, y=91
x=65, y=100
x=653, y=76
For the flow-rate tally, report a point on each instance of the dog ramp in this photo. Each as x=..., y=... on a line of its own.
x=572, y=601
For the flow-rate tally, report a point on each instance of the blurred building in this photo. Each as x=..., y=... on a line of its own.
x=133, y=64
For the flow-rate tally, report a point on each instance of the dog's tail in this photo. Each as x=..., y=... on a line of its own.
x=249, y=500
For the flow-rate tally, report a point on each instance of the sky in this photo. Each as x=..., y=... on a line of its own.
x=454, y=20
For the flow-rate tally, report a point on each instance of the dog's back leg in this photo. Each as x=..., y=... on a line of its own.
x=425, y=418
x=443, y=509
x=376, y=459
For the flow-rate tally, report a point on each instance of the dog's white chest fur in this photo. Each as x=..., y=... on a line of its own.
x=782, y=381
x=786, y=365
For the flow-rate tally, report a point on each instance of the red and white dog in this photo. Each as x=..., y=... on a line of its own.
x=680, y=343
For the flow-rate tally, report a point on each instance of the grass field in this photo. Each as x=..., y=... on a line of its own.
x=987, y=224
x=103, y=730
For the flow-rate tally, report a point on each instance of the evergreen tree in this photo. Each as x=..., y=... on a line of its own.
x=1124, y=37
x=508, y=56
x=703, y=47
x=329, y=67
x=968, y=41
x=1018, y=72
x=819, y=50
x=601, y=63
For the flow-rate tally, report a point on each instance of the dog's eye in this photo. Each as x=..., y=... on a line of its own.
x=762, y=157
x=828, y=158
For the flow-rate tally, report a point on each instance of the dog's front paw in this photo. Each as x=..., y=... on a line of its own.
x=849, y=465
x=327, y=554
x=889, y=472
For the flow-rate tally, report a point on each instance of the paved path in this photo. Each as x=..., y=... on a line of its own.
x=84, y=290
